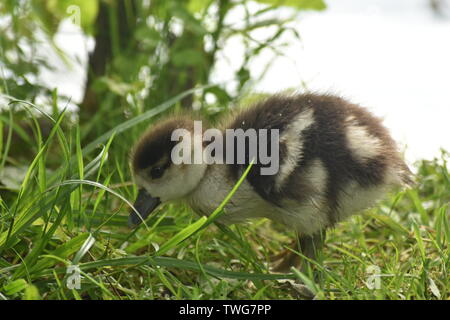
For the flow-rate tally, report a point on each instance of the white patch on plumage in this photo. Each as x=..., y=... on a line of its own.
x=215, y=186
x=317, y=176
x=178, y=180
x=353, y=198
x=306, y=219
x=361, y=143
x=291, y=137
x=393, y=176
x=310, y=216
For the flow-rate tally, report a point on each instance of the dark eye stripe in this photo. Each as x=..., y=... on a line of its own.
x=158, y=171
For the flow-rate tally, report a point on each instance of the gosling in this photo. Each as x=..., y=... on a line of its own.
x=335, y=160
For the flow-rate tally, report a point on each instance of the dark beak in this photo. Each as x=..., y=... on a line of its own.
x=144, y=204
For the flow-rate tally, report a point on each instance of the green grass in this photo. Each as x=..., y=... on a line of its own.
x=71, y=208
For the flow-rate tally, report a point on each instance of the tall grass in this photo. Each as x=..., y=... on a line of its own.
x=71, y=208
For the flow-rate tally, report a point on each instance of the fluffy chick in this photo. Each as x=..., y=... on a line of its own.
x=335, y=159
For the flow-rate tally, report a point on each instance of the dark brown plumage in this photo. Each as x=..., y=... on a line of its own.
x=325, y=140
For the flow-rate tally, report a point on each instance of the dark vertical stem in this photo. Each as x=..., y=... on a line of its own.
x=113, y=33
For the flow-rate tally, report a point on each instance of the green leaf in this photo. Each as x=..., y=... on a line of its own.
x=81, y=12
x=306, y=280
x=188, y=57
x=62, y=252
x=31, y=293
x=84, y=249
x=419, y=240
x=414, y=196
x=198, y=5
x=15, y=286
x=298, y=4
x=174, y=263
x=388, y=221
x=182, y=235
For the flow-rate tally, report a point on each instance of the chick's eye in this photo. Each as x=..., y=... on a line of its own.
x=156, y=172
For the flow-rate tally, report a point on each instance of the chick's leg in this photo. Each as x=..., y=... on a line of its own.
x=311, y=245
x=306, y=245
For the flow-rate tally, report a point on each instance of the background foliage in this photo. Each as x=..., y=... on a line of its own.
x=65, y=181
